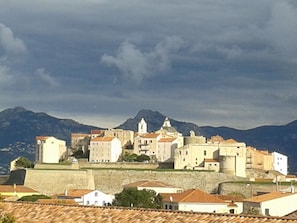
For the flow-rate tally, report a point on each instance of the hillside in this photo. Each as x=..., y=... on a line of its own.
x=19, y=127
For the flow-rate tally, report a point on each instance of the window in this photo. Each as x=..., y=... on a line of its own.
x=186, y=152
x=267, y=211
x=204, y=152
x=96, y=194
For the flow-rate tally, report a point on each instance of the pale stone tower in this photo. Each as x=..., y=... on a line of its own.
x=142, y=126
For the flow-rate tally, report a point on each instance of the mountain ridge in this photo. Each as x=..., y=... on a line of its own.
x=19, y=127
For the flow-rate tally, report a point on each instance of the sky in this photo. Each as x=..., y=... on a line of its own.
x=210, y=62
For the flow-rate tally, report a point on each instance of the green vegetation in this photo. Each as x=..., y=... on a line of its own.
x=132, y=157
x=80, y=153
x=131, y=197
x=24, y=162
x=33, y=198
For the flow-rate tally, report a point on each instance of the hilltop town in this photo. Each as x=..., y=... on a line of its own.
x=190, y=173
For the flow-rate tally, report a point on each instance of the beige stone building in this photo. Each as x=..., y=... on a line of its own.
x=80, y=141
x=105, y=149
x=147, y=144
x=217, y=154
x=125, y=136
x=259, y=159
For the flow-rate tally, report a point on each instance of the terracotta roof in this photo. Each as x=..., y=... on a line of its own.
x=76, y=192
x=210, y=161
x=167, y=139
x=192, y=195
x=16, y=188
x=42, y=137
x=151, y=135
x=268, y=197
x=146, y=183
x=231, y=197
x=44, y=213
x=97, y=131
x=102, y=139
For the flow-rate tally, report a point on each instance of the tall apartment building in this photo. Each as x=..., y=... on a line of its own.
x=49, y=149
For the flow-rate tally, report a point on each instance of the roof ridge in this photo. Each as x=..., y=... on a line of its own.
x=193, y=190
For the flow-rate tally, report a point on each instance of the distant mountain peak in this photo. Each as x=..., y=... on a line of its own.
x=15, y=109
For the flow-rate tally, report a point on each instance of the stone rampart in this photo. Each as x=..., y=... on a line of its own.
x=51, y=182
x=111, y=181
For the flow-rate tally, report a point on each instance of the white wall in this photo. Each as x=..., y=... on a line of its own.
x=280, y=163
x=281, y=206
x=96, y=198
x=204, y=207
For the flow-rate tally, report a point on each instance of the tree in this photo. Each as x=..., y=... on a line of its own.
x=33, y=198
x=24, y=162
x=131, y=197
x=128, y=157
x=142, y=158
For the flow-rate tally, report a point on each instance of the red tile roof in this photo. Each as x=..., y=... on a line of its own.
x=76, y=192
x=44, y=213
x=103, y=139
x=151, y=135
x=192, y=195
x=167, y=139
x=42, y=137
x=268, y=197
x=16, y=188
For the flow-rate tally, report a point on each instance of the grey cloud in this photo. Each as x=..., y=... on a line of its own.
x=10, y=43
x=138, y=65
x=46, y=77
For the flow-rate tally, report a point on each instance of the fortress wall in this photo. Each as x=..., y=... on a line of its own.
x=111, y=181
x=51, y=182
x=56, y=166
x=249, y=188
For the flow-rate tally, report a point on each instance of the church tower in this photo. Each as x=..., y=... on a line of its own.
x=142, y=127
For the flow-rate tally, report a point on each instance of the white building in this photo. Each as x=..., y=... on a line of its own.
x=195, y=200
x=88, y=197
x=105, y=149
x=49, y=149
x=272, y=204
x=157, y=186
x=280, y=163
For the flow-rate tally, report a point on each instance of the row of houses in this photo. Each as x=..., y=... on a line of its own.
x=165, y=145
x=173, y=198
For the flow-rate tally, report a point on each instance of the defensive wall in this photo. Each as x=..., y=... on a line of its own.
x=53, y=181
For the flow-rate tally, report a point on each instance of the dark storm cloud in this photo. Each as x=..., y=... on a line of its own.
x=210, y=62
